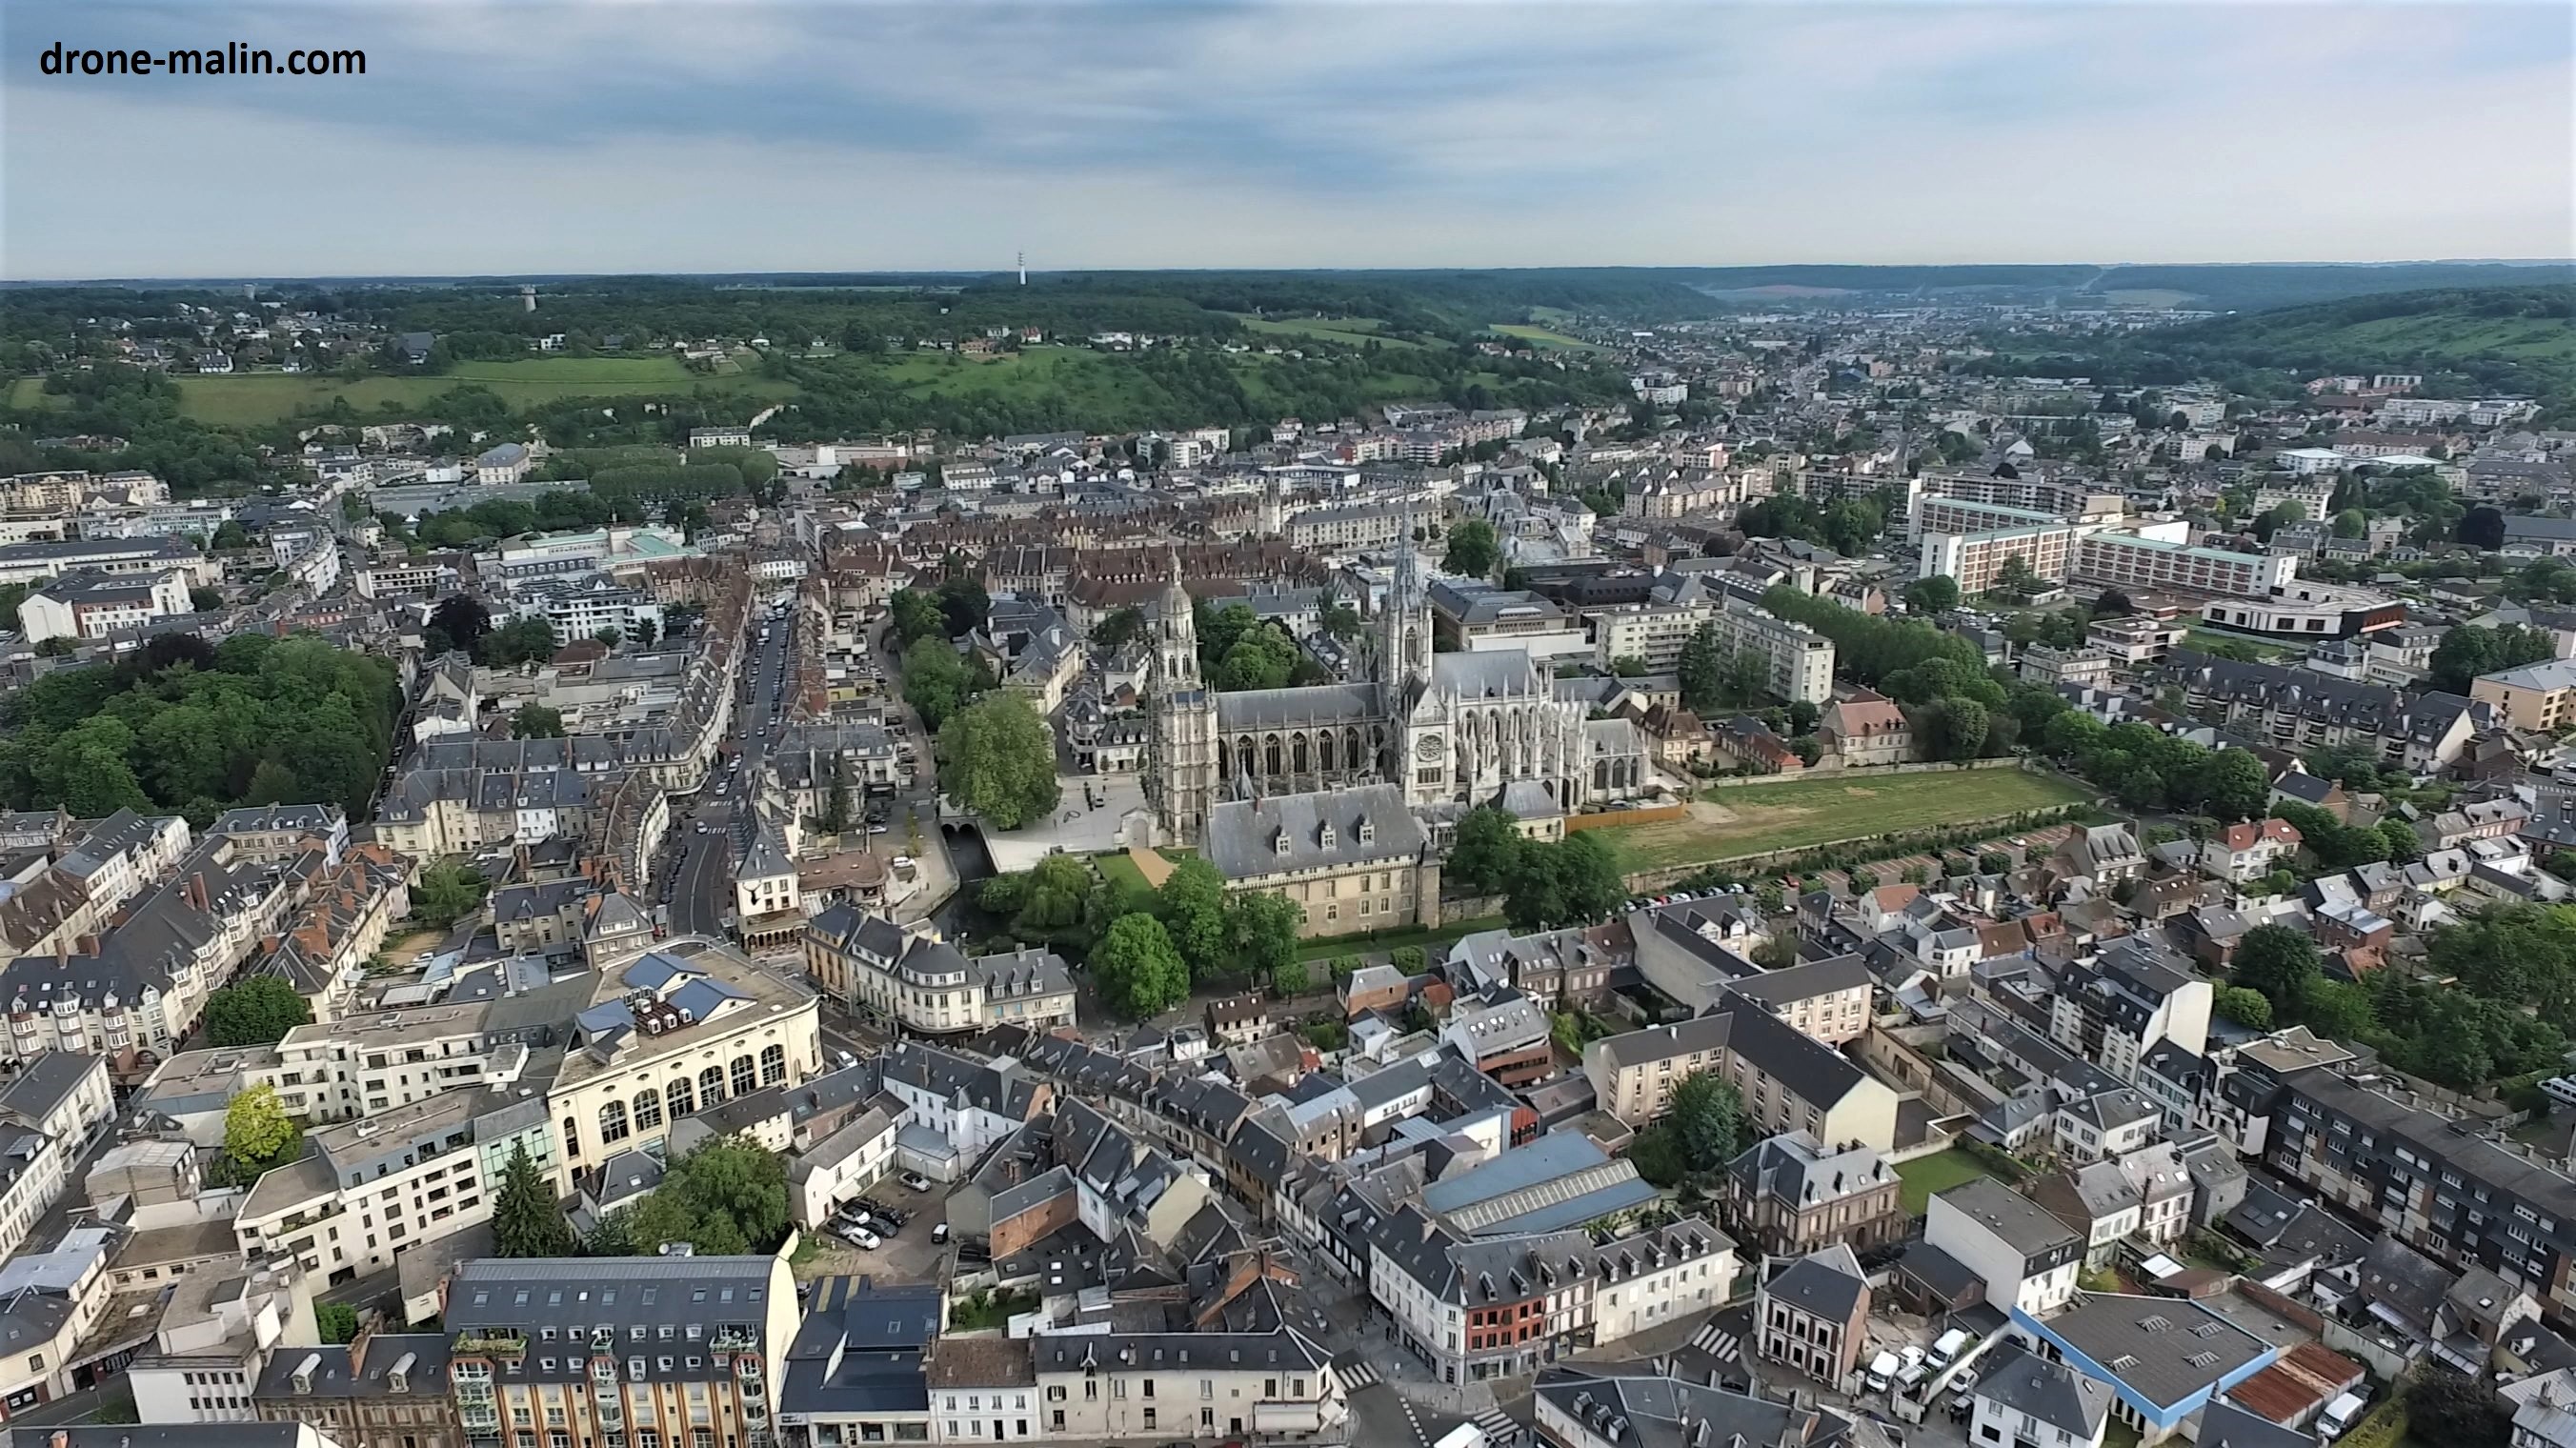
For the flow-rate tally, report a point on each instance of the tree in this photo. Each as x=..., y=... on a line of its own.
x=1936, y=594
x=1340, y=620
x=836, y=803
x=963, y=605
x=997, y=760
x=644, y=631
x=727, y=1198
x=1119, y=628
x=2279, y=961
x=2468, y=651
x=2456, y=1410
x=459, y=622
x=2244, y=1007
x=258, y=1134
x=337, y=1321
x=2112, y=603
x=1191, y=905
x=2404, y=847
x=1484, y=851
x=1957, y=728
x=936, y=681
x=446, y=893
x=2339, y=1010
x=536, y=721
x=1261, y=935
x=1473, y=549
x=1291, y=977
x=1259, y=658
x=1803, y=715
x=611, y=636
x=2351, y=523
x=2231, y=784
x=1699, y=669
x=2015, y=575
x=1139, y=970
x=257, y=1011
x=231, y=534
x=527, y=1220
x=916, y=616
x=204, y=600
x=1708, y=1121
x=1628, y=666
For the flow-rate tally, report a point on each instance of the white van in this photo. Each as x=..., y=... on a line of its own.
x=2338, y=1416
x=1946, y=1350
x=1882, y=1371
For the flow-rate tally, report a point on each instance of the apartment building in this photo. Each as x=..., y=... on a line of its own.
x=1277, y=1386
x=374, y=1186
x=1653, y=633
x=2458, y=1198
x=407, y=579
x=927, y=986
x=1352, y=528
x=378, y=1390
x=2307, y=610
x=1977, y=560
x=373, y=1063
x=2127, y=559
x=672, y=1350
x=2113, y=1009
x=1789, y=1081
x=675, y=1032
x=98, y=605
x=271, y=834
x=860, y=1371
x=217, y=1333
x=2539, y=697
x=1812, y=1317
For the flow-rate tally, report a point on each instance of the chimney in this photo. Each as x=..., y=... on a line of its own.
x=197, y=890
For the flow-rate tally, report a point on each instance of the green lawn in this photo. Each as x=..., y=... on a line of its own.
x=258, y=398
x=1121, y=872
x=2202, y=638
x=29, y=392
x=1349, y=331
x=1799, y=814
x=1545, y=337
x=1926, y=1175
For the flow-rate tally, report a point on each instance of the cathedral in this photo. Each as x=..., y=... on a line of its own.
x=1449, y=728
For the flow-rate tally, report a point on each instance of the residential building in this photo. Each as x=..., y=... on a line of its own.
x=378, y=1390
x=1793, y=1195
x=1811, y=1317
x=2163, y=1358
x=2540, y=697
x=1576, y=1409
x=1278, y=1385
x=1977, y=560
x=2249, y=850
x=927, y=986
x=2023, y=1400
x=1865, y=728
x=858, y=1373
x=2026, y=1258
x=99, y=605
x=1789, y=1081
x=2125, y=559
x=686, y=1349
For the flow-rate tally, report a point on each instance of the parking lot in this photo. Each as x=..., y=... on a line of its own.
x=907, y=1256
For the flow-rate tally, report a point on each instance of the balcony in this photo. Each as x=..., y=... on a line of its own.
x=733, y=1339
x=476, y=1344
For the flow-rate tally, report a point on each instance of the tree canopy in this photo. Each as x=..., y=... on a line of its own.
x=1139, y=970
x=997, y=760
x=726, y=1197
x=256, y=1011
x=527, y=1220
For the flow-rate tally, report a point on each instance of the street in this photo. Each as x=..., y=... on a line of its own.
x=708, y=831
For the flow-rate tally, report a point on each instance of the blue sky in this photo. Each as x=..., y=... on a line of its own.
x=749, y=135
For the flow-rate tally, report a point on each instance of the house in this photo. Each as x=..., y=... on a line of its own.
x=2026, y=1258
x=2023, y=1400
x=2164, y=1358
x=2106, y=854
x=2249, y=850
x=1788, y=1080
x=1865, y=729
x=1793, y=1195
x=1577, y=1409
x=1812, y=1317
x=1238, y=1020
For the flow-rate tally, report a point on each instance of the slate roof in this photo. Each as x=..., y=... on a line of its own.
x=1828, y=1283
x=2013, y=1377
x=1250, y=838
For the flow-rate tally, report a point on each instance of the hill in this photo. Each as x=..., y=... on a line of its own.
x=2510, y=340
x=2205, y=287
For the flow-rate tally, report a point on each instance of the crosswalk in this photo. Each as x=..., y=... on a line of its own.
x=1499, y=1426
x=1357, y=1374
x=1716, y=1341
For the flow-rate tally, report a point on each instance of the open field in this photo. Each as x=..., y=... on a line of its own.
x=1926, y=1175
x=1431, y=940
x=1799, y=814
x=28, y=392
x=259, y=398
x=1350, y=331
x=1545, y=337
x=2202, y=638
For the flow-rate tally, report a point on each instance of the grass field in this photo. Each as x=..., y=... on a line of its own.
x=1545, y=337
x=29, y=392
x=259, y=398
x=1350, y=331
x=1798, y=814
x=2202, y=638
x=1385, y=940
x=1938, y=1172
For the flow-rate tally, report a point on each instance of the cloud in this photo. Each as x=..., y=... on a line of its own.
x=758, y=134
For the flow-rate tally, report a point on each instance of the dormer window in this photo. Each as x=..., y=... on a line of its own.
x=1279, y=843
x=1368, y=832
x=1324, y=837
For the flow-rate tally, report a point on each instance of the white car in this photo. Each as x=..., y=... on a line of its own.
x=861, y=1238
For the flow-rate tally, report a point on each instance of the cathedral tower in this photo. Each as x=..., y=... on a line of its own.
x=1181, y=775
x=1404, y=625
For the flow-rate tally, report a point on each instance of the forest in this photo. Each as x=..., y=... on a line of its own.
x=181, y=726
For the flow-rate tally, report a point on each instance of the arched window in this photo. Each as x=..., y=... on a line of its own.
x=648, y=1109
x=1351, y=757
x=1243, y=752
x=773, y=1065
x=1324, y=751
x=1297, y=748
x=1270, y=748
x=711, y=1090
x=612, y=1122
x=745, y=1080
x=572, y=1137
x=682, y=1101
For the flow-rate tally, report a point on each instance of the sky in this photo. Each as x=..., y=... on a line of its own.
x=541, y=136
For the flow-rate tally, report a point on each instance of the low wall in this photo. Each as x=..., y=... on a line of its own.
x=1474, y=907
x=1853, y=773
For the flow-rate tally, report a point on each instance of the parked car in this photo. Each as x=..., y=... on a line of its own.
x=844, y=1059
x=939, y=1234
x=916, y=1181
x=861, y=1238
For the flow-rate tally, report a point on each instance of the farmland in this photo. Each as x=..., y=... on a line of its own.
x=260, y=398
x=1800, y=814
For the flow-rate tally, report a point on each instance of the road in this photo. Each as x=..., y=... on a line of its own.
x=708, y=830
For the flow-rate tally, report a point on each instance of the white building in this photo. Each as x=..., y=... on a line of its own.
x=93, y=606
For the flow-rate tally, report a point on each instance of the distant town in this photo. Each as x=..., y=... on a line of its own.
x=1265, y=860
